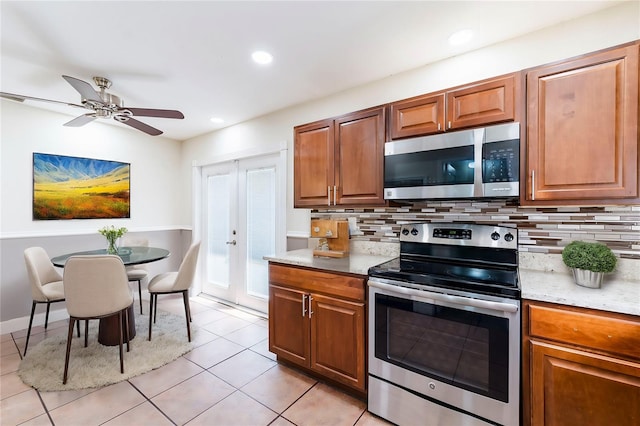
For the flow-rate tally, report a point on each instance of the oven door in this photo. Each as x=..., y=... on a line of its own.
x=439, y=166
x=460, y=352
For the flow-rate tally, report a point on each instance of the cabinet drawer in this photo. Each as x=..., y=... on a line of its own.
x=313, y=280
x=599, y=331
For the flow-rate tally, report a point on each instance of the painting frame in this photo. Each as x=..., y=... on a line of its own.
x=68, y=187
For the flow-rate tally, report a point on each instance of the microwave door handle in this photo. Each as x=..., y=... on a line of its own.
x=458, y=300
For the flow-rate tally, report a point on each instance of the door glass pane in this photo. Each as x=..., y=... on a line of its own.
x=261, y=239
x=218, y=200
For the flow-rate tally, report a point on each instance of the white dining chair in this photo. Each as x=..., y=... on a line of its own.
x=45, y=282
x=174, y=282
x=136, y=273
x=96, y=287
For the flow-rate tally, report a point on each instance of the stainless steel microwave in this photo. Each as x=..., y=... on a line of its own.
x=475, y=163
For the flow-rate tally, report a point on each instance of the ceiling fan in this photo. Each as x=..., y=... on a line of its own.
x=103, y=105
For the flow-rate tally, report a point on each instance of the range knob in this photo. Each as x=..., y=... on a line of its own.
x=495, y=236
x=405, y=231
x=508, y=237
x=414, y=232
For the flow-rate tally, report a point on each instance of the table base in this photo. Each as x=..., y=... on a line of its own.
x=108, y=330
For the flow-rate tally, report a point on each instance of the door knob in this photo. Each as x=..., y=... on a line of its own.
x=232, y=242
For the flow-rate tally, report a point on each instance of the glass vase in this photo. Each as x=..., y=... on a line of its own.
x=112, y=247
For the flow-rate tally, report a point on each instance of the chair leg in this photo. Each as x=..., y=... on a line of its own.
x=120, y=329
x=78, y=324
x=151, y=298
x=46, y=318
x=86, y=332
x=187, y=311
x=66, y=358
x=33, y=310
x=140, y=294
x=126, y=328
x=155, y=309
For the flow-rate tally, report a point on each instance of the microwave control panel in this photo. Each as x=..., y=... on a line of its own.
x=501, y=161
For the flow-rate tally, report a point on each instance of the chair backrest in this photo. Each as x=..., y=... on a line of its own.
x=95, y=285
x=40, y=270
x=134, y=241
x=187, y=270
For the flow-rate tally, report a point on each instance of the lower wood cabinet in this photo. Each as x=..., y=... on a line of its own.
x=317, y=321
x=580, y=366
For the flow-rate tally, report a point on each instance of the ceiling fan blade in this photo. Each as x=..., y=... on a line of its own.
x=22, y=98
x=162, y=113
x=86, y=90
x=81, y=120
x=138, y=125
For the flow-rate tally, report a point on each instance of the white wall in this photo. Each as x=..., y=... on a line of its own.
x=155, y=176
x=610, y=27
x=155, y=183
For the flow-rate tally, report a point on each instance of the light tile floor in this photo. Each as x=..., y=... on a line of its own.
x=229, y=378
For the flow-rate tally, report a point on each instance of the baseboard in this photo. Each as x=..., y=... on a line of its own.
x=22, y=323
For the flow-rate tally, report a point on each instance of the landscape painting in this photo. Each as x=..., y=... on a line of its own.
x=79, y=188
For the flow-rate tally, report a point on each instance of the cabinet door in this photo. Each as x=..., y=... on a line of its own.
x=359, y=158
x=571, y=387
x=289, y=324
x=313, y=164
x=582, y=141
x=480, y=104
x=337, y=336
x=422, y=115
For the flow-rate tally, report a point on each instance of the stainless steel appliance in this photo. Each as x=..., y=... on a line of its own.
x=476, y=163
x=444, y=327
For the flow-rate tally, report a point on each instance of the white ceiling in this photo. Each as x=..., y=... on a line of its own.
x=195, y=56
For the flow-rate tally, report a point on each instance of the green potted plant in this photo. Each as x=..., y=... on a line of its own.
x=111, y=233
x=588, y=262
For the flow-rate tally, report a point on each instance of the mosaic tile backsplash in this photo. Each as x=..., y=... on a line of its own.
x=540, y=230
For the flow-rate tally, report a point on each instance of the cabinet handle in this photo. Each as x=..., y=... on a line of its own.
x=533, y=185
x=449, y=124
x=328, y=195
x=335, y=192
x=304, y=305
x=438, y=126
x=310, y=311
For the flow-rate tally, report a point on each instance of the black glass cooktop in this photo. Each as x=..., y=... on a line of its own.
x=482, y=277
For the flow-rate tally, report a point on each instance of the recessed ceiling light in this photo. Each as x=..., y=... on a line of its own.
x=261, y=57
x=460, y=37
x=217, y=120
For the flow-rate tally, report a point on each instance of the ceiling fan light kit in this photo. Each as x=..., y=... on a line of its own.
x=104, y=105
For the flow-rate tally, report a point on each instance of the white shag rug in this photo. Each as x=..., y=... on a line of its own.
x=98, y=365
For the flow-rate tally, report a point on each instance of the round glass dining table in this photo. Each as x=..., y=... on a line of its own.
x=108, y=334
x=129, y=255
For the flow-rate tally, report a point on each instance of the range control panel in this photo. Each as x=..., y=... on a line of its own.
x=460, y=234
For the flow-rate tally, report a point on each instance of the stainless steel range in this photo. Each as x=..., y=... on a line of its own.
x=444, y=327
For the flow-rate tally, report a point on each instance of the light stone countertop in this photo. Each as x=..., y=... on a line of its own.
x=545, y=278
x=355, y=263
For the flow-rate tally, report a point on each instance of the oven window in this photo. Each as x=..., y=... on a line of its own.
x=466, y=349
x=449, y=166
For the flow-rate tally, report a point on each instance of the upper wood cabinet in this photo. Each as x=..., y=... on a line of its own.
x=340, y=161
x=481, y=103
x=582, y=132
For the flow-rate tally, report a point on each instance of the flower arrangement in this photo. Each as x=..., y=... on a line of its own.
x=112, y=234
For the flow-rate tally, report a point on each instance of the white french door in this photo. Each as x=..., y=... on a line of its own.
x=241, y=206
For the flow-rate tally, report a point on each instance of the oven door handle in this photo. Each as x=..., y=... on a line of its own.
x=458, y=300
